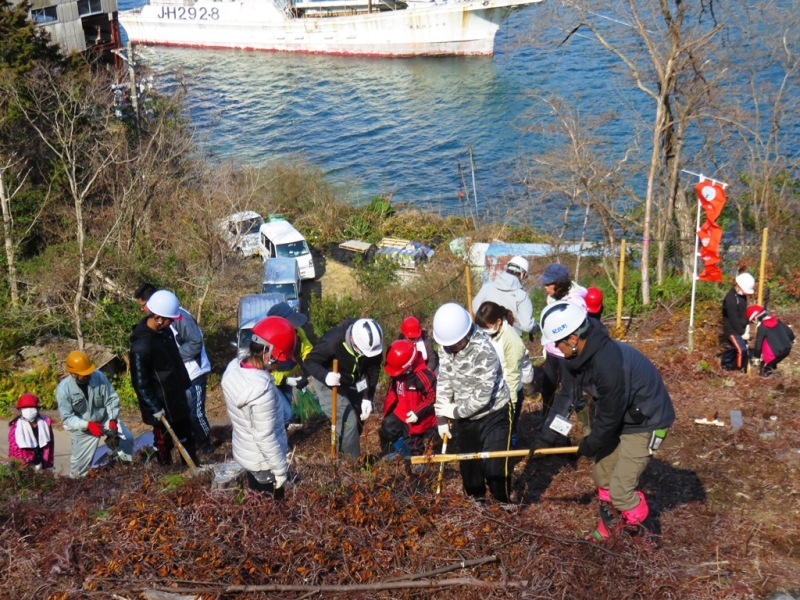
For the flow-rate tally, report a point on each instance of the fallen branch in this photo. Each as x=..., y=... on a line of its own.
x=464, y=564
x=364, y=587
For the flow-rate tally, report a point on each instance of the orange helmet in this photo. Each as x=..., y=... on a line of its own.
x=594, y=300
x=400, y=357
x=79, y=363
x=411, y=328
x=278, y=335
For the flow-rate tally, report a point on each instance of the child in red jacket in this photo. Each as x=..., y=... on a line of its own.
x=30, y=435
x=773, y=341
x=408, y=413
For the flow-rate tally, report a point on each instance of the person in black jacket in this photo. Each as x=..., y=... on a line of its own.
x=633, y=410
x=357, y=344
x=773, y=341
x=159, y=377
x=734, y=323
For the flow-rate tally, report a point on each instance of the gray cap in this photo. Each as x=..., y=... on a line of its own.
x=554, y=272
x=281, y=309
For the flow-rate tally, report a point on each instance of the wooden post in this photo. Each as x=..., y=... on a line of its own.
x=762, y=275
x=469, y=290
x=620, y=283
x=334, y=394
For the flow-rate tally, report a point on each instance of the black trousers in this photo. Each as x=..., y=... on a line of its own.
x=392, y=429
x=489, y=434
x=769, y=367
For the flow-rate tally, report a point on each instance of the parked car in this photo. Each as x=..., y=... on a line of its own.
x=241, y=231
x=282, y=276
x=279, y=239
x=252, y=308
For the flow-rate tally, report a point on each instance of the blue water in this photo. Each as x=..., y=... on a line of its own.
x=396, y=126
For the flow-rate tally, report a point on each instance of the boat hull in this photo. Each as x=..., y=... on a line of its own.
x=441, y=30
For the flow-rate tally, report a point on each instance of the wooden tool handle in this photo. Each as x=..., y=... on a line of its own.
x=175, y=439
x=563, y=450
x=334, y=398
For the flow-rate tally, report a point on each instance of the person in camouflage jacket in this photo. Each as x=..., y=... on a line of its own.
x=473, y=395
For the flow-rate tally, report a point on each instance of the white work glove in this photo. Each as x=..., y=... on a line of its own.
x=366, y=409
x=411, y=417
x=444, y=428
x=746, y=334
x=333, y=379
x=293, y=381
x=157, y=416
x=279, y=481
x=447, y=410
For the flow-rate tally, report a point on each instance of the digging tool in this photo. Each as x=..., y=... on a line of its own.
x=175, y=439
x=334, y=394
x=441, y=466
x=443, y=458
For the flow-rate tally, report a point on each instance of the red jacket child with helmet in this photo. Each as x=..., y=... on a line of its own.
x=773, y=341
x=30, y=435
x=408, y=409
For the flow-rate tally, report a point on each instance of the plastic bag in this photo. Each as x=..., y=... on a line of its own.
x=306, y=405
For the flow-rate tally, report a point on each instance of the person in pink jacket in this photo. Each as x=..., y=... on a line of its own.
x=30, y=435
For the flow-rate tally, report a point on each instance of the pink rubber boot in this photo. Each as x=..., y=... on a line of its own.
x=606, y=523
x=638, y=520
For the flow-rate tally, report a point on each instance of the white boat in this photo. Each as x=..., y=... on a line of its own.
x=347, y=27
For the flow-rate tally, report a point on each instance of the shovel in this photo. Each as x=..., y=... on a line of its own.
x=175, y=439
x=442, y=458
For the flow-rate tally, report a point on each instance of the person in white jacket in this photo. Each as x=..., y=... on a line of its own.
x=506, y=290
x=513, y=355
x=259, y=436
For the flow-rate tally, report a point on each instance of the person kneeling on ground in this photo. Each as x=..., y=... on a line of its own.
x=634, y=410
x=472, y=395
x=773, y=341
x=254, y=406
x=30, y=435
x=734, y=323
x=408, y=415
x=89, y=408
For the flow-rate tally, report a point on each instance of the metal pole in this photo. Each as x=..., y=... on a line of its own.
x=694, y=278
x=762, y=267
x=474, y=189
x=466, y=189
x=620, y=283
x=334, y=394
x=134, y=91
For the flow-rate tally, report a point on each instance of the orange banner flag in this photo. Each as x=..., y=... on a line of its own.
x=712, y=199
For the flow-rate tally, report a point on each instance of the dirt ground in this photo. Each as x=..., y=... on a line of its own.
x=727, y=502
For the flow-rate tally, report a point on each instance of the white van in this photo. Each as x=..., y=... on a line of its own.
x=241, y=231
x=279, y=239
x=282, y=276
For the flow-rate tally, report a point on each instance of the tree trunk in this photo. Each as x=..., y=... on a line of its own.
x=5, y=200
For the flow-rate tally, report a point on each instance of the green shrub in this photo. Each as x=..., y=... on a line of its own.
x=127, y=395
x=328, y=312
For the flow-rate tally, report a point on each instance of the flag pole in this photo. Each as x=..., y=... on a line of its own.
x=724, y=185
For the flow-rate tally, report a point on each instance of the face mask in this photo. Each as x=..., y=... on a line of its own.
x=490, y=331
x=29, y=414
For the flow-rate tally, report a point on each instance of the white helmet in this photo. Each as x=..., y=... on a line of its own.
x=164, y=304
x=518, y=266
x=367, y=337
x=560, y=320
x=746, y=282
x=451, y=324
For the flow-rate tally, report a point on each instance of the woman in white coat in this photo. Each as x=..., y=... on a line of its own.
x=254, y=406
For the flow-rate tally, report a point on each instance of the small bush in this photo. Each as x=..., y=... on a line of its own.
x=328, y=312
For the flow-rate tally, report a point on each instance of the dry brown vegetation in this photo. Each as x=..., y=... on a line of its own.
x=727, y=503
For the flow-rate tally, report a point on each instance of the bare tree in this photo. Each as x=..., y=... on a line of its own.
x=71, y=116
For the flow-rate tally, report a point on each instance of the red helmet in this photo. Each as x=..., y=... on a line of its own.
x=278, y=335
x=754, y=311
x=28, y=401
x=400, y=357
x=594, y=300
x=411, y=328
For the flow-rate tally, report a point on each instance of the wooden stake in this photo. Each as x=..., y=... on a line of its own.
x=438, y=458
x=469, y=290
x=334, y=394
x=441, y=466
x=620, y=283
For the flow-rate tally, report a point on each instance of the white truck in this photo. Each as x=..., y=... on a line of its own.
x=279, y=239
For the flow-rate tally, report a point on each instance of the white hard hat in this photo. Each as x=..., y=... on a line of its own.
x=367, y=337
x=746, y=282
x=560, y=320
x=164, y=304
x=451, y=324
x=520, y=263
